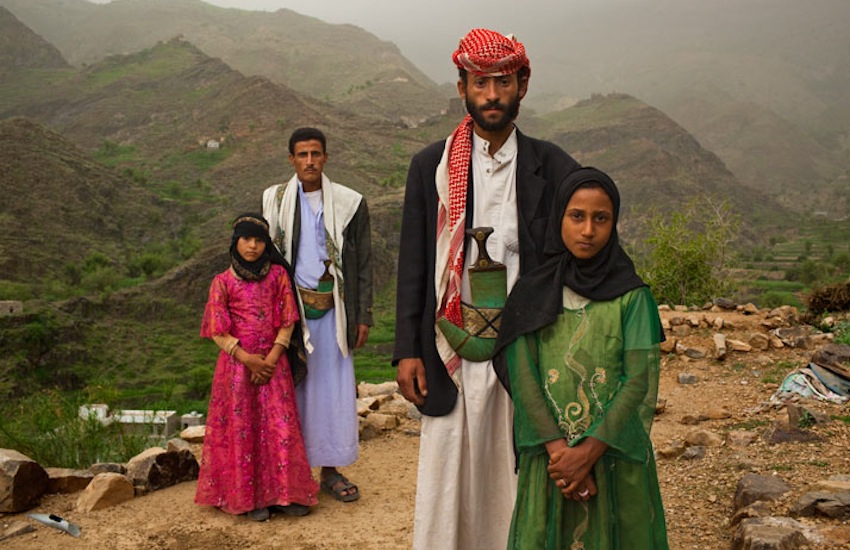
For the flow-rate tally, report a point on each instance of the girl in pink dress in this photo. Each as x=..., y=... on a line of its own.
x=254, y=459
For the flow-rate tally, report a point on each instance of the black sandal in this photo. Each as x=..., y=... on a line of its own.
x=336, y=483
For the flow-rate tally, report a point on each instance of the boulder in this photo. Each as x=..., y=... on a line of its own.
x=755, y=487
x=67, y=480
x=22, y=481
x=156, y=468
x=105, y=490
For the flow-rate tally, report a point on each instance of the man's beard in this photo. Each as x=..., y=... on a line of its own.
x=509, y=114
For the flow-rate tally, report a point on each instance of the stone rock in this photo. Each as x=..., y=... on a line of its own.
x=108, y=468
x=194, y=434
x=695, y=353
x=776, y=342
x=676, y=320
x=105, y=490
x=383, y=421
x=717, y=413
x=768, y=534
x=156, y=468
x=773, y=322
x=740, y=438
x=794, y=337
x=664, y=307
x=833, y=485
x=672, y=450
x=718, y=323
x=660, y=406
x=680, y=331
x=690, y=420
x=801, y=417
x=665, y=324
x=824, y=503
x=789, y=434
x=832, y=354
x=824, y=338
x=176, y=444
x=22, y=481
x=367, y=430
x=725, y=303
x=687, y=378
x=738, y=345
x=365, y=389
x=759, y=341
x=16, y=528
x=695, y=452
x=757, y=509
x=750, y=309
x=67, y=480
x=365, y=405
x=669, y=345
x=400, y=407
x=719, y=346
x=681, y=308
x=755, y=487
x=703, y=438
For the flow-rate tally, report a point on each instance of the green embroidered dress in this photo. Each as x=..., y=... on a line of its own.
x=594, y=372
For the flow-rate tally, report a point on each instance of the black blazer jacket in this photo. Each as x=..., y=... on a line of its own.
x=540, y=167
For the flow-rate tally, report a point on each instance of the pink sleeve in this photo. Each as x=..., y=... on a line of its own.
x=216, y=319
x=286, y=312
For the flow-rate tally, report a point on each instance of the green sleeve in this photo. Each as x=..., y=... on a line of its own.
x=626, y=419
x=534, y=423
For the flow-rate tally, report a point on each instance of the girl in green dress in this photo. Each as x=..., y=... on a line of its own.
x=580, y=341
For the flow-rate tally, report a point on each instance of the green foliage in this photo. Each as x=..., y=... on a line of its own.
x=11, y=290
x=777, y=298
x=111, y=153
x=842, y=333
x=46, y=427
x=688, y=251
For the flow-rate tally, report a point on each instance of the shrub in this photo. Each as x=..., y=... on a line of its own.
x=688, y=251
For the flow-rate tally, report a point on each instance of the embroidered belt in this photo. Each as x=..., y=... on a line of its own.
x=316, y=303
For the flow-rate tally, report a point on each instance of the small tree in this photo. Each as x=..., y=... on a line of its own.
x=685, y=261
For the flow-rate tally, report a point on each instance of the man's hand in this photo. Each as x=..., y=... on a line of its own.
x=411, y=380
x=362, y=336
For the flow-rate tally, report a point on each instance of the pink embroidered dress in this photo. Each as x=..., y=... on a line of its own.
x=254, y=452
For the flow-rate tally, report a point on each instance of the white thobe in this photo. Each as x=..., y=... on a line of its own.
x=327, y=397
x=467, y=482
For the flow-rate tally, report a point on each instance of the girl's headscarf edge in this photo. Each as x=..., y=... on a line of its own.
x=251, y=224
x=536, y=299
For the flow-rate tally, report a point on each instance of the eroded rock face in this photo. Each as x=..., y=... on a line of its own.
x=22, y=481
x=157, y=468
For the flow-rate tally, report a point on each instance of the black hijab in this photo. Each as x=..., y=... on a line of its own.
x=537, y=298
x=250, y=224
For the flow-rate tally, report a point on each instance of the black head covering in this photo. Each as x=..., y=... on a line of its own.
x=536, y=299
x=251, y=224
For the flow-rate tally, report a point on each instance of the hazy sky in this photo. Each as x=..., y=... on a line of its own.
x=438, y=24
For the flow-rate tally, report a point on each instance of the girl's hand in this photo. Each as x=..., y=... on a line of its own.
x=586, y=489
x=571, y=466
x=261, y=369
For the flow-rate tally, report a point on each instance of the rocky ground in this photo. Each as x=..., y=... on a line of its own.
x=718, y=398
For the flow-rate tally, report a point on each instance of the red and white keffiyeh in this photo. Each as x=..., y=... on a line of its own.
x=488, y=53
x=452, y=178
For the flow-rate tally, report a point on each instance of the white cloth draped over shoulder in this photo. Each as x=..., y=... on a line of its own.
x=340, y=204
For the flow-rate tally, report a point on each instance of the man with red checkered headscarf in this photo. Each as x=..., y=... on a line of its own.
x=486, y=174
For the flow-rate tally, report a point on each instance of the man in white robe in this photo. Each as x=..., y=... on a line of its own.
x=486, y=173
x=323, y=230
